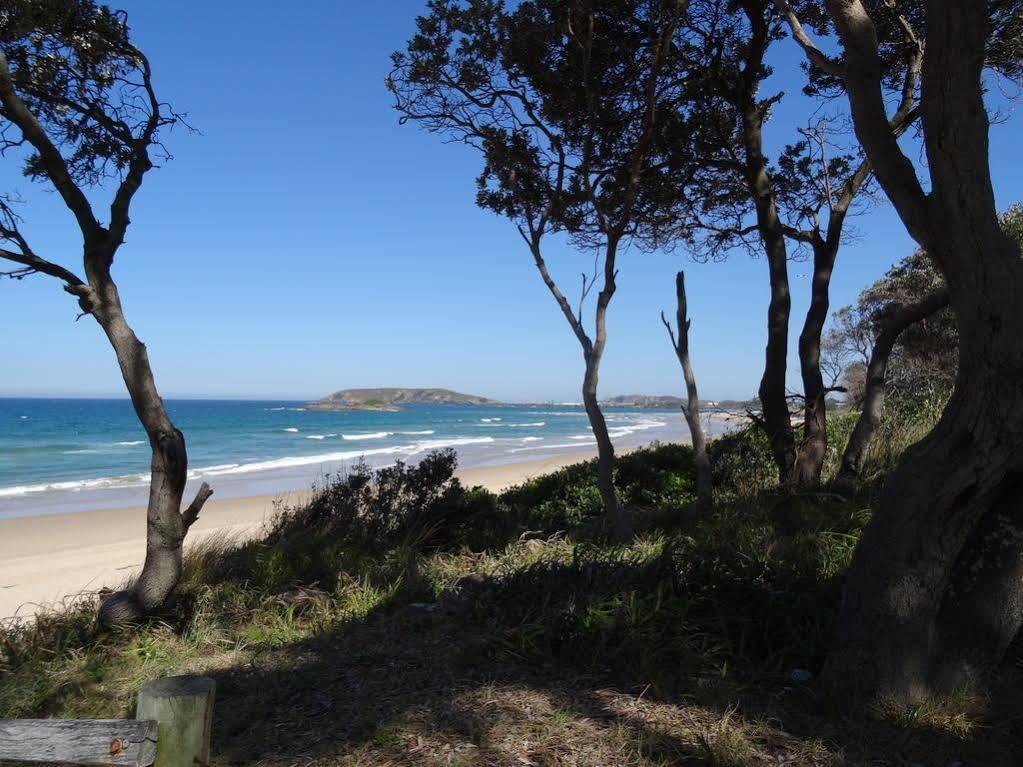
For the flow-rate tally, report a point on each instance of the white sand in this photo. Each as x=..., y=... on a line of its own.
x=46, y=560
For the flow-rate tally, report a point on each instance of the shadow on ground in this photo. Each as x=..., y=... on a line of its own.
x=422, y=687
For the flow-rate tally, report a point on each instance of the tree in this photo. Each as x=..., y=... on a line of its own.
x=904, y=322
x=933, y=596
x=577, y=107
x=805, y=198
x=77, y=104
x=704, y=477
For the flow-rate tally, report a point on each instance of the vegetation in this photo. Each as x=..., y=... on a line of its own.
x=401, y=618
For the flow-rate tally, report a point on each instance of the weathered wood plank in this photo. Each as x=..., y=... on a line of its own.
x=96, y=741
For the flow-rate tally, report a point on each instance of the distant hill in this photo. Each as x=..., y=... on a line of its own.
x=391, y=398
x=644, y=400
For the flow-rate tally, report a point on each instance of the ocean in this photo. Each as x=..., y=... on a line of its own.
x=60, y=455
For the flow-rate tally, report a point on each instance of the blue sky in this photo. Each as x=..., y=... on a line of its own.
x=306, y=242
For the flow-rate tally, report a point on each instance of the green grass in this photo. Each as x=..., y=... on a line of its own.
x=400, y=618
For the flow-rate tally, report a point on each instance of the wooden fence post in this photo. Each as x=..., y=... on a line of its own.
x=183, y=708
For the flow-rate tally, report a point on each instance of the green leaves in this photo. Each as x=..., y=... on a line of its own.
x=75, y=68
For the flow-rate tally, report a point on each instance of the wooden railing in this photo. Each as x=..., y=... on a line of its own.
x=171, y=729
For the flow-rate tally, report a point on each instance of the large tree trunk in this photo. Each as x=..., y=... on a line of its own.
x=813, y=447
x=935, y=594
x=701, y=461
x=898, y=319
x=166, y=523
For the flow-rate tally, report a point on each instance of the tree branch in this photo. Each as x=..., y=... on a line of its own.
x=33, y=264
x=816, y=56
x=189, y=515
x=56, y=167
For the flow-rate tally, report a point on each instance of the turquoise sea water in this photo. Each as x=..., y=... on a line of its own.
x=61, y=455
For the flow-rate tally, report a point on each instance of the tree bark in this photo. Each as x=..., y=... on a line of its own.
x=166, y=522
x=618, y=525
x=934, y=594
x=898, y=319
x=813, y=447
x=773, y=399
x=701, y=461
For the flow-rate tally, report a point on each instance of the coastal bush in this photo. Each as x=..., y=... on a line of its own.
x=905, y=420
x=742, y=462
x=740, y=589
x=659, y=477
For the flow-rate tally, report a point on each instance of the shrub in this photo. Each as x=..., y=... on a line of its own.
x=742, y=462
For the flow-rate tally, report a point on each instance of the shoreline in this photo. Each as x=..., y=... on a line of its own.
x=48, y=559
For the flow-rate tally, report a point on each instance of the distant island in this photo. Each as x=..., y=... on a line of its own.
x=389, y=399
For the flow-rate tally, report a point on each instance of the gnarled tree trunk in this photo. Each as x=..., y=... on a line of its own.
x=898, y=319
x=701, y=461
x=935, y=593
x=166, y=522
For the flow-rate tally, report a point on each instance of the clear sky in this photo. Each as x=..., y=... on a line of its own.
x=306, y=242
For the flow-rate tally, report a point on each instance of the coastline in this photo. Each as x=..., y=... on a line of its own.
x=48, y=559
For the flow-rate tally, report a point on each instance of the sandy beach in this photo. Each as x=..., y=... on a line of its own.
x=45, y=560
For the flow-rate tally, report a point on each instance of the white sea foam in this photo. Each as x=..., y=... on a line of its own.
x=131, y=443
x=291, y=429
x=367, y=435
x=227, y=469
x=532, y=439
x=542, y=447
x=621, y=431
x=340, y=456
x=79, y=452
x=489, y=420
x=437, y=444
x=424, y=431
x=75, y=485
x=521, y=425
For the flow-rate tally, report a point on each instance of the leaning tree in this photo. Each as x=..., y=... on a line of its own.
x=575, y=107
x=934, y=595
x=78, y=108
